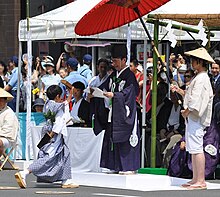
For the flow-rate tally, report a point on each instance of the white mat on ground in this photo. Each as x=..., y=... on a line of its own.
x=141, y=182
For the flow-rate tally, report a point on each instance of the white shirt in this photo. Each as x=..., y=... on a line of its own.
x=49, y=80
x=75, y=109
x=96, y=81
x=198, y=99
x=8, y=124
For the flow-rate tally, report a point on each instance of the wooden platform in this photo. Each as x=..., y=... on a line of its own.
x=141, y=182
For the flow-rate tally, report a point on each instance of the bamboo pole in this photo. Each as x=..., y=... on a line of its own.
x=185, y=16
x=175, y=26
x=154, y=98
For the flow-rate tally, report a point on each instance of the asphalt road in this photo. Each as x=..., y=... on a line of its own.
x=7, y=180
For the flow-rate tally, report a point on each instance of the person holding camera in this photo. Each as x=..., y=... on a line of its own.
x=61, y=62
x=178, y=68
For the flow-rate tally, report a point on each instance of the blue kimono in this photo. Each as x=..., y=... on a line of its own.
x=119, y=122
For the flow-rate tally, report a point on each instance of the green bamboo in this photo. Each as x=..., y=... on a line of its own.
x=154, y=98
x=175, y=26
x=214, y=28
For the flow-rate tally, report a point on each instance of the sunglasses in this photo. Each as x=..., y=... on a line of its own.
x=187, y=76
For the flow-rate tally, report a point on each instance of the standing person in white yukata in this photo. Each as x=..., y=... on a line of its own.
x=53, y=163
x=96, y=81
x=102, y=67
x=197, y=112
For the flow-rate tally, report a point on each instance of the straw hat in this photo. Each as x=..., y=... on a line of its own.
x=200, y=53
x=5, y=94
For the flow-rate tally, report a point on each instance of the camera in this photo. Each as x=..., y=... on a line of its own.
x=149, y=71
x=64, y=56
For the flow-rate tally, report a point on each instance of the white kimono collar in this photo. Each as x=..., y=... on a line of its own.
x=121, y=71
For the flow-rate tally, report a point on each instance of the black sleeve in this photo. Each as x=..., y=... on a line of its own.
x=84, y=112
x=1, y=83
x=100, y=113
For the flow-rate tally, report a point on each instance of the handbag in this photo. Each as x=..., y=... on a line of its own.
x=44, y=140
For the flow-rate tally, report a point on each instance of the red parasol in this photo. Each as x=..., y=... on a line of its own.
x=110, y=14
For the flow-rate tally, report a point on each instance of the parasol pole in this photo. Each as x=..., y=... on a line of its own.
x=155, y=48
x=152, y=43
x=156, y=53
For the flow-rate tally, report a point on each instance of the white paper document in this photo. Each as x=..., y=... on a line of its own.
x=96, y=92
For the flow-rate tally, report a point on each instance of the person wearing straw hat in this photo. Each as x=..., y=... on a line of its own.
x=197, y=112
x=8, y=122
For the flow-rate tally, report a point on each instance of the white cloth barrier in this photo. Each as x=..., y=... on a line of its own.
x=85, y=147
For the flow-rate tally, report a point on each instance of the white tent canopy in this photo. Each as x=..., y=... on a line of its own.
x=189, y=7
x=60, y=24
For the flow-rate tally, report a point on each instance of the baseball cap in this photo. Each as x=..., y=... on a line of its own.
x=38, y=102
x=87, y=58
x=72, y=62
x=14, y=59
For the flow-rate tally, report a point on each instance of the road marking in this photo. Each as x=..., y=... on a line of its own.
x=53, y=192
x=8, y=188
x=114, y=195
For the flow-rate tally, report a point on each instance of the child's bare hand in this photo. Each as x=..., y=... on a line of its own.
x=182, y=145
x=108, y=94
x=90, y=96
x=71, y=90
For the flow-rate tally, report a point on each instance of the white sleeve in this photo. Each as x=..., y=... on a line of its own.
x=59, y=122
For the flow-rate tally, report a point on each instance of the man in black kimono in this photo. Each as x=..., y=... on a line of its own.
x=117, y=115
